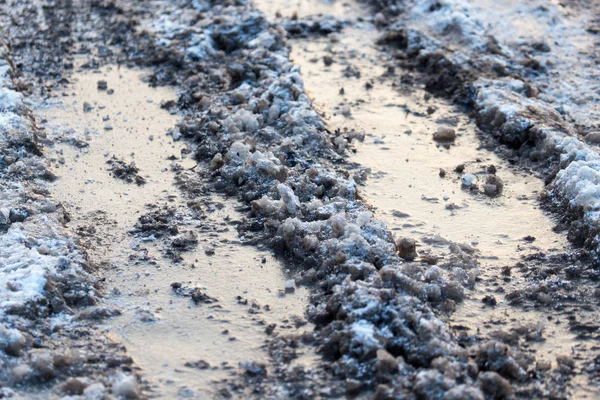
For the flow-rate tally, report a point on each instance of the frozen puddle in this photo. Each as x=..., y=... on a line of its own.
x=162, y=331
x=404, y=182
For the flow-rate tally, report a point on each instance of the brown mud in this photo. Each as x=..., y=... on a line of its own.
x=203, y=314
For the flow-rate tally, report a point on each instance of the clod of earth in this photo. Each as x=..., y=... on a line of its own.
x=126, y=172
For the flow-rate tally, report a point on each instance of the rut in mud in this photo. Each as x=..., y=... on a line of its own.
x=158, y=244
x=288, y=212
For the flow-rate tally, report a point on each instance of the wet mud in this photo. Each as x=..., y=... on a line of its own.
x=302, y=201
x=201, y=341
x=417, y=185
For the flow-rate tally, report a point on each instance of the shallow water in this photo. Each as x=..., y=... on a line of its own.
x=138, y=276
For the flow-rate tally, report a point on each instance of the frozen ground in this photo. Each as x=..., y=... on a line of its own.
x=322, y=199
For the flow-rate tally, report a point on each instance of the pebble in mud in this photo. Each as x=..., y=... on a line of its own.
x=489, y=300
x=444, y=134
x=87, y=107
x=493, y=185
x=290, y=286
x=468, y=180
x=200, y=364
x=407, y=248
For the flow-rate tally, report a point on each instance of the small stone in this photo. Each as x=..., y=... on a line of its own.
x=200, y=364
x=593, y=137
x=541, y=46
x=290, y=286
x=94, y=391
x=205, y=102
x=353, y=385
x=327, y=60
x=468, y=180
x=544, y=298
x=346, y=111
x=43, y=249
x=102, y=85
x=97, y=313
x=493, y=185
x=380, y=19
x=146, y=315
x=87, y=107
x=543, y=365
x=238, y=97
x=444, y=134
x=253, y=368
x=489, y=300
x=565, y=361
x=42, y=363
x=531, y=91
x=270, y=328
x=21, y=372
x=407, y=249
